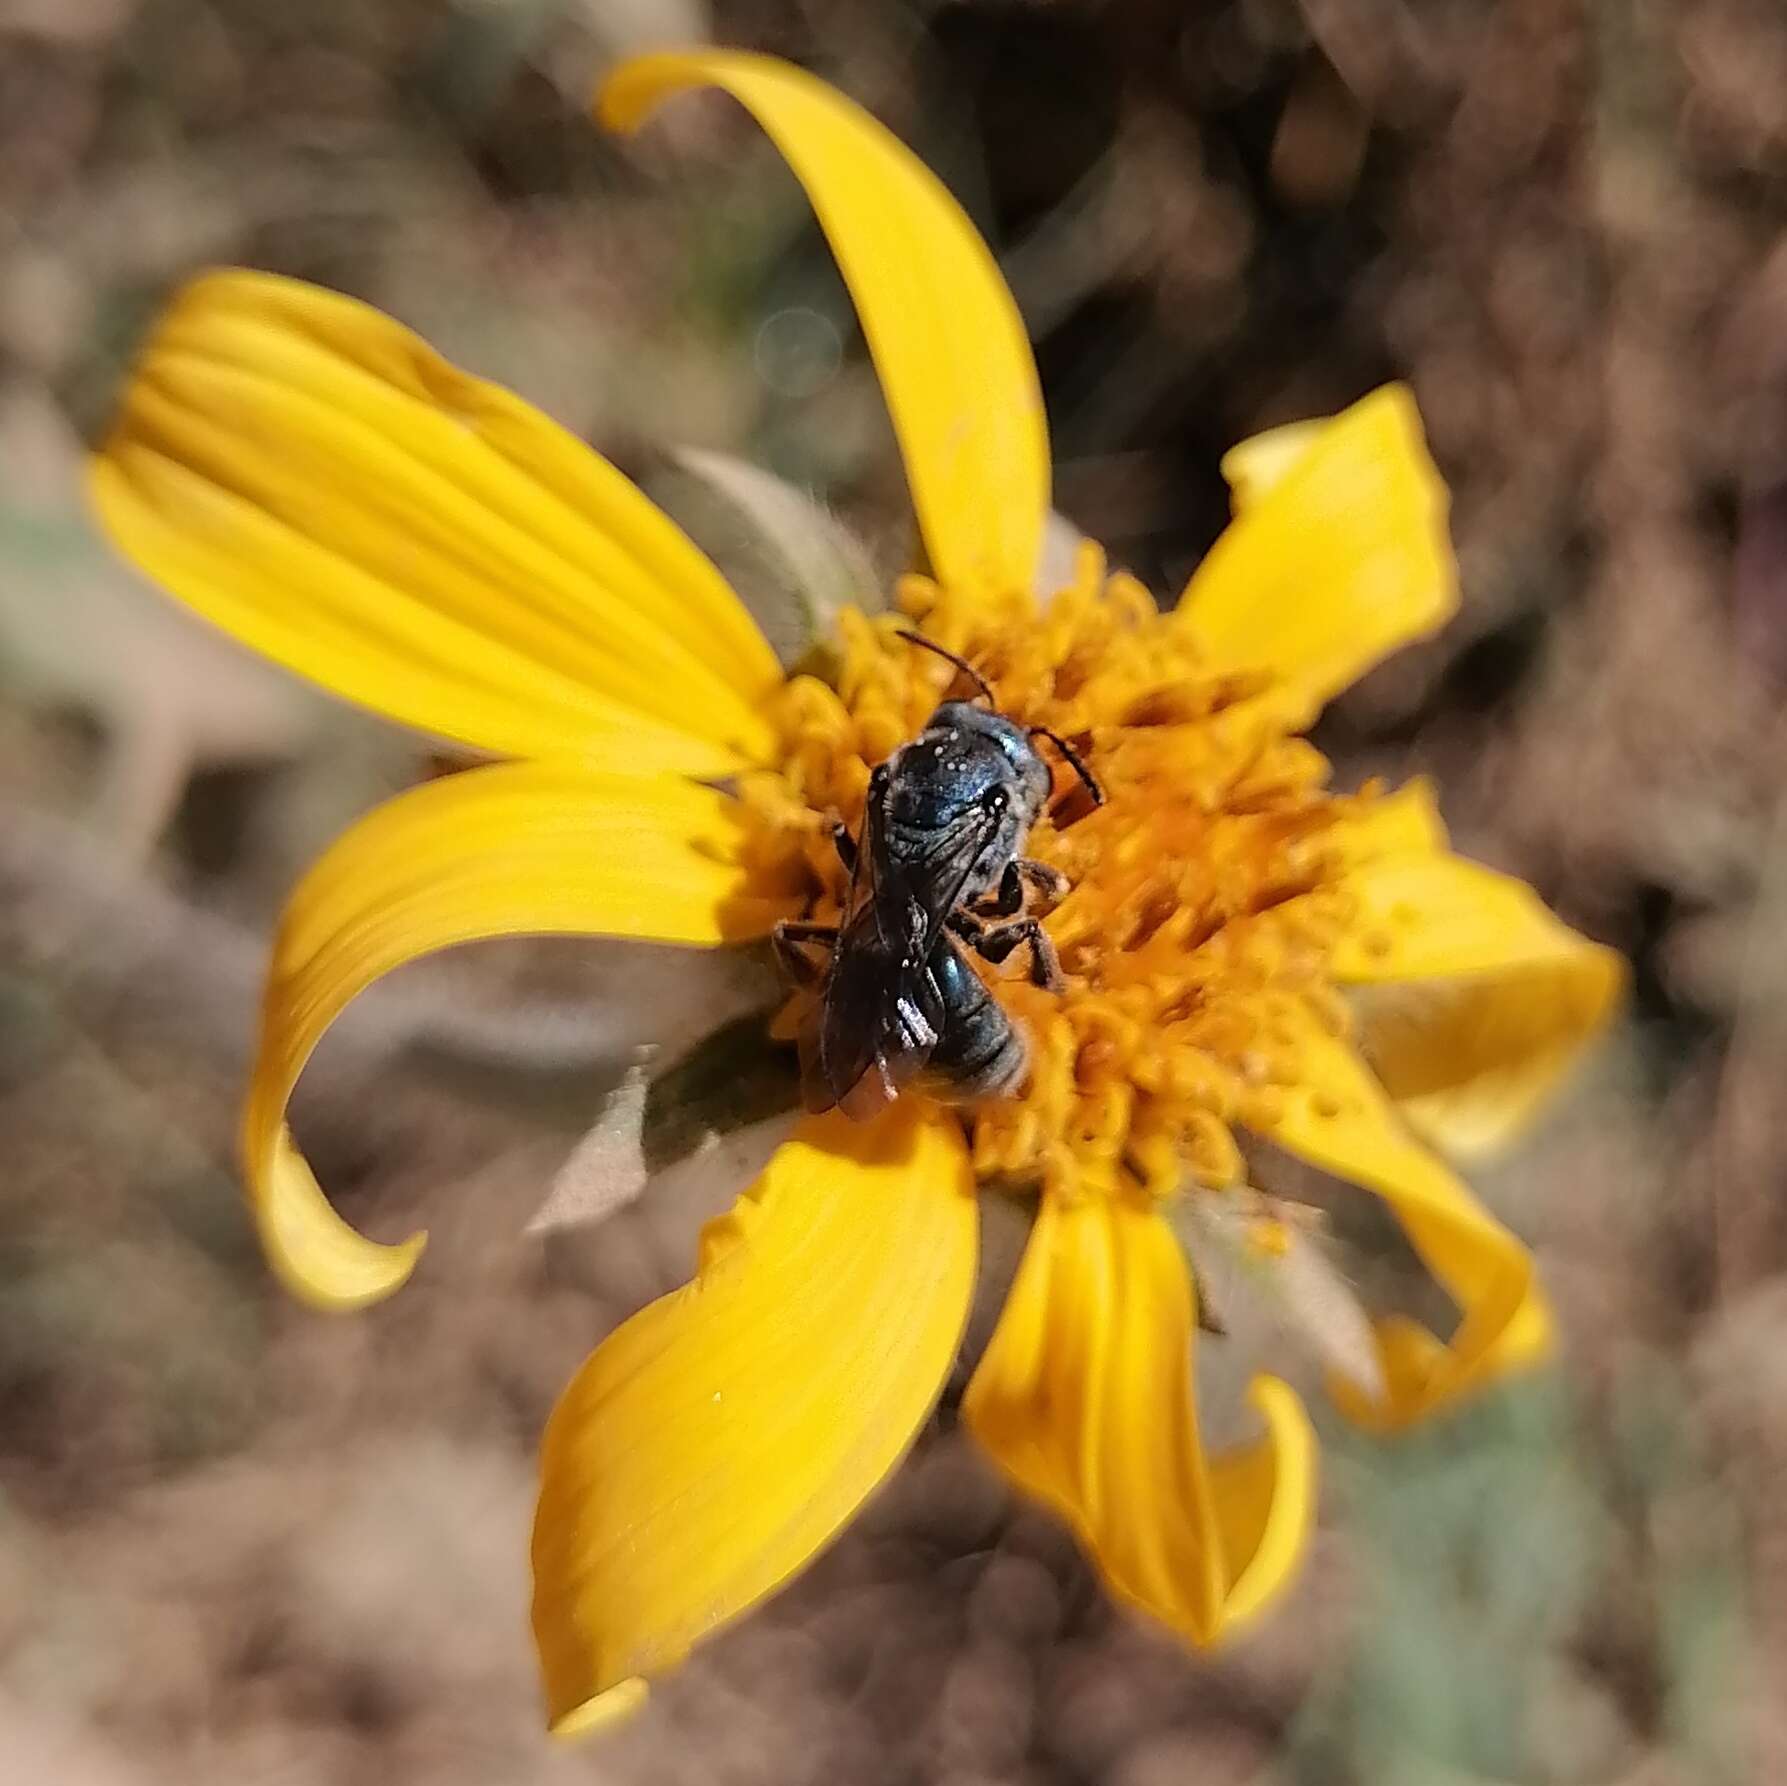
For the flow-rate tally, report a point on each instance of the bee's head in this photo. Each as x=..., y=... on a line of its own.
x=987, y=749
x=968, y=761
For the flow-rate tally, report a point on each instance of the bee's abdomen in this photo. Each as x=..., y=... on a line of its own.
x=980, y=1052
x=994, y=1069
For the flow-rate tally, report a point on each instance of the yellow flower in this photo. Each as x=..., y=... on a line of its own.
x=1243, y=948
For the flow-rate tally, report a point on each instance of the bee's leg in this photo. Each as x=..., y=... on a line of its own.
x=966, y=925
x=1051, y=883
x=1006, y=899
x=791, y=941
x=996, y=944
x=845, y=845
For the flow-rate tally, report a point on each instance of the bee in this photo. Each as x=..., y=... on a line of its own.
x=938, y=865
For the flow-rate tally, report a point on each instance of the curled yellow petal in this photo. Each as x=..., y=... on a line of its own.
x=947, y=340
x=510, y=849
x=1085, y=1398
x=314, y=479
x=1336, y=1117
x=1475, y=1002
x=712, y=1445
x=1253, y=466
x=1338, y=555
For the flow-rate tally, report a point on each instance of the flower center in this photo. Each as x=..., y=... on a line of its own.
x=1201, y=902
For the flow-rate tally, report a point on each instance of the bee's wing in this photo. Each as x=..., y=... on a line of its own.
x=881, y=1013
x=873, y=1030
x=859, y=896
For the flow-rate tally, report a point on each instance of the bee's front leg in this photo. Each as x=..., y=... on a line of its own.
x=844, y=844
x=791, y=942
x=1008, y=898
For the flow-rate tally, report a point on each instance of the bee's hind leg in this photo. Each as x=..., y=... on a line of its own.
x=791, y=942
x=1002, y=940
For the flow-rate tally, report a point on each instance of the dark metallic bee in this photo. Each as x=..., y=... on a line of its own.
x=945, y=820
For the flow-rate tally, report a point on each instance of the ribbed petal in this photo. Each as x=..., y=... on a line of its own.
x=315, y=480
x=499, y=851
x=712, y=1445
x=1475, y=1001
x=1086, y=1399
x=1338, y=555
x=1336, y=1117
x=947, y=339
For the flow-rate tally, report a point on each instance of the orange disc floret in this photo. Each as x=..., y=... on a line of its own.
x=1203, y=900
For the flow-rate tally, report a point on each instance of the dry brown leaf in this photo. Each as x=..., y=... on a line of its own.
x=1290, y=1292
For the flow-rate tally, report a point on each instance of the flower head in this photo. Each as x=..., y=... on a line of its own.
x=1244, y=950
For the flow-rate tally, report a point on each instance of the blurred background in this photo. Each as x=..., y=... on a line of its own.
x=243, y=1543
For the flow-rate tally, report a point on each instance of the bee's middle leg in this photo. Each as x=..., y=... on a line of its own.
x=998, y=943
x=791, y=940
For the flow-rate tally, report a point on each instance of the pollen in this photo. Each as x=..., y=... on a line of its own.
x=1203, y=896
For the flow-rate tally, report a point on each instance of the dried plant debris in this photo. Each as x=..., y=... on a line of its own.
x=677, y=1115
x=795, y=563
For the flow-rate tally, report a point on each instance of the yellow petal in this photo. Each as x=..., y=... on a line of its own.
x=510, y=849
x=1253, y=466
x=1405, y=823
x=712, y=1445
x=315, y=480
x=1339, y=557
x=1086, y=1400
x=1337, y=1118
x=947, y=339
x=1476, y=1002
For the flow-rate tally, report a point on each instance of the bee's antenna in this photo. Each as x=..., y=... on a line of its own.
x=1087, y=779
x=961, y=663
